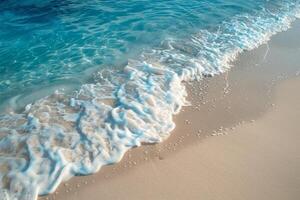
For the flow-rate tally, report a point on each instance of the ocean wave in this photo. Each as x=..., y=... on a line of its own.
x=61, y=135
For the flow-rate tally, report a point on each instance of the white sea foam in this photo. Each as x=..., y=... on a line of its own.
x=61, y=136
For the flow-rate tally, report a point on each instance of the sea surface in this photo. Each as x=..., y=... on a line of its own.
x=81, y=82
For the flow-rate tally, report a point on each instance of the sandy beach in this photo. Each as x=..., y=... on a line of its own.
x=239, y=139
x=106, y=100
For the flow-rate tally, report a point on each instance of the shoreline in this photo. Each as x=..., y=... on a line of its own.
x=244, y=164
x=220, y=105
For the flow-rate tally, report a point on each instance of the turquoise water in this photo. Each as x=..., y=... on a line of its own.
x=81, y=82
x=54, y=44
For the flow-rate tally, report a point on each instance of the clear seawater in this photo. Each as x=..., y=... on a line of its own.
x=81, y=82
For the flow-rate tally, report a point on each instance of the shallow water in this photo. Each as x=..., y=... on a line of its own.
x=54, y=43
x=126, y=60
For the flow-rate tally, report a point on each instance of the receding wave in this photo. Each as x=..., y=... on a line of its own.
x=62, y=135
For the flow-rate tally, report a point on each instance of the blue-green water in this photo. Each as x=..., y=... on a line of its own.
x=55, y=43
x=81, y=82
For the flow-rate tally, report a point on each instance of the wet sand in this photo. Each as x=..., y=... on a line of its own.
x=239, y=139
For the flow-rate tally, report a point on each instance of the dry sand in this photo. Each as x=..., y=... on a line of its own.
x=255, y=153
